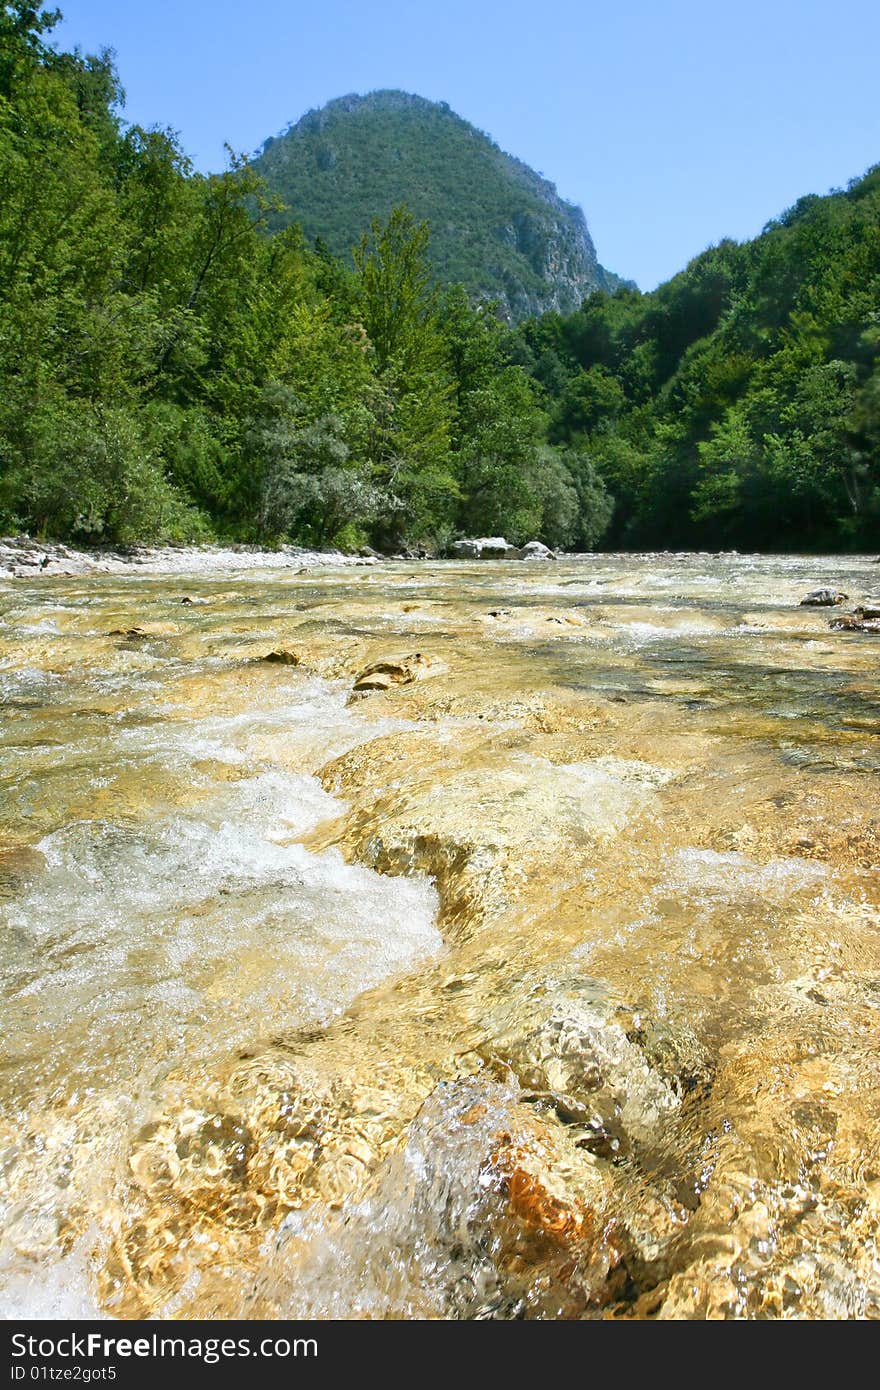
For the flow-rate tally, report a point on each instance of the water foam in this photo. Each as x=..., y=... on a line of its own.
x=211, y=917
x=56, y=1290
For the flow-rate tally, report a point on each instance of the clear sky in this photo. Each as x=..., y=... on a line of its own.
x=672, y=122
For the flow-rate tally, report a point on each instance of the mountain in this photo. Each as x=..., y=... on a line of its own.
x=497, y=227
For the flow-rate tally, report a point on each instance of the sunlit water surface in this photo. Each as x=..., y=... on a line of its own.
x=545, y=986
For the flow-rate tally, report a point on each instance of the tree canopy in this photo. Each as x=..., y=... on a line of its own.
x=736, y=405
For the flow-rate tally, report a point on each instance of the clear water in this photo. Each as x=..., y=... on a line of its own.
x=254, y=937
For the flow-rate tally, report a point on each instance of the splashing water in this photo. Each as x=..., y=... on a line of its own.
x=542, y=986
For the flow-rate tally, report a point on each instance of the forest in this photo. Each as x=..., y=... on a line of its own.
x=738, y=405
x=172, y=369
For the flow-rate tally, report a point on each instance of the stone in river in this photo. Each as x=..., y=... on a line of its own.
x=823, y=598
x=142, y=630
x=854, y=622
x=281, y=656
x=536, y=550
x=556, y=1244
x=603, y=1066
x=484, y=548
x=383, y=675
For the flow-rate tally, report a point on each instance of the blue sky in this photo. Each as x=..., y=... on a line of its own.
x=672, y=123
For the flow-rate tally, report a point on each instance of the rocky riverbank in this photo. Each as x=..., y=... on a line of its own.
x=21, y=557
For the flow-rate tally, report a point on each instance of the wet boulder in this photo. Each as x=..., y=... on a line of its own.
x=857, y=621
x=385, y=675
x=281, y=656
x=536, y=550
x=823, y=598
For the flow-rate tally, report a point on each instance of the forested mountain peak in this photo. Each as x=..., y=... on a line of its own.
x=497, y=227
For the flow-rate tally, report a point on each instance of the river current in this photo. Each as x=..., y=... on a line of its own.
x=537, y=977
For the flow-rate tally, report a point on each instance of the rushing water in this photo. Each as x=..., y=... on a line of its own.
x=546, y=985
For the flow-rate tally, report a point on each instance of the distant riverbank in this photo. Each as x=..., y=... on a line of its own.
x=22, y=557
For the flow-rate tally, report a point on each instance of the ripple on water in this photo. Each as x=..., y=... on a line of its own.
x=162, y=919
x=705, y=875
x=418, y=1244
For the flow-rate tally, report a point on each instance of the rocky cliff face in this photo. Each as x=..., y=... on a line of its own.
x=497, y=226
x=557, y=246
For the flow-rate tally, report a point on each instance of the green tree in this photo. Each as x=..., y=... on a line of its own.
x=411, y=444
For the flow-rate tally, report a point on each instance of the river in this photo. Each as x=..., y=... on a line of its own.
x=536, y=978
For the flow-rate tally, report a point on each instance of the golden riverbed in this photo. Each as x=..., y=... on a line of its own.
x=538, y=976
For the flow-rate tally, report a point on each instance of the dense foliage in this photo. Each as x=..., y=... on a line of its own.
x=497, y=227
x=170, y=369
x=739, y=404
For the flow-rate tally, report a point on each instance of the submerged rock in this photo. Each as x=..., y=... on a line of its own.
x=487, y=1210
x=384, y=675
x=558, y=1246
x=600, y=1065
x=281, y=656
x=823, y=598
x=143, y=630
x=19, y=865
x=851, y=623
